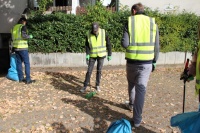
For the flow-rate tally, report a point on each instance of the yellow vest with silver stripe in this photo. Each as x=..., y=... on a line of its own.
x=197, y=70
x=18, y=41
x=97, y=45
x=142, y=32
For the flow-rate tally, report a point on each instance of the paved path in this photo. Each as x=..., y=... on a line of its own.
x=54, y=103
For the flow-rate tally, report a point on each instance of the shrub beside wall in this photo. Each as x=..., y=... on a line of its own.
x=61, y=32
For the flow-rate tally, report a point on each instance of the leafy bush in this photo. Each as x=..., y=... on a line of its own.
x=57, y=33
x=43, y=4
x=61, y=32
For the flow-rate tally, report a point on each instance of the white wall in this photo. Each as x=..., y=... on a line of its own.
x=106, y=2
x=180, y=5
x=78, y=59
x=75, y=3
x=10, y=13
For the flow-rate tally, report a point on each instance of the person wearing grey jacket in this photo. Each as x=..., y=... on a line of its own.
x=141, y=41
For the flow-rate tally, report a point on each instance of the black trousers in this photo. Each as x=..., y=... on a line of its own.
x=92, y=61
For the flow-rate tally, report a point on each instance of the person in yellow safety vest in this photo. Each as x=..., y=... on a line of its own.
x=141, y=41
x=97, y=45
x=20, y=47
x=194, y=67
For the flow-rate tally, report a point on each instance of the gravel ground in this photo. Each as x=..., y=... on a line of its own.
x=54, y=104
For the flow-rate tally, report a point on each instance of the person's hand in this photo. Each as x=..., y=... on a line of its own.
x=109, y=58
x=87, y=59
x=190, y=77
x=153, y=67
x=30, y=36
x=184, y=76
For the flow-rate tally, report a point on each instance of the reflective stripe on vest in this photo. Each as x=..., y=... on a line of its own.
x=142, y=31
x=18, y=41
x=97, y=45
x=197, y=87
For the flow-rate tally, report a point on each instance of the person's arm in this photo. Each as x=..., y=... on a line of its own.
x=24, y=33
x=192, y=66
x=87, y=47
x=108, y=45
x=157, y=46
x=125, y=37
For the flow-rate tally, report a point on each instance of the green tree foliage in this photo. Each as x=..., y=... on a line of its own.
x=43, y=5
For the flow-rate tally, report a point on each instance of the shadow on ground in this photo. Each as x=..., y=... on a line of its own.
x=97, y=107
x=3, y=72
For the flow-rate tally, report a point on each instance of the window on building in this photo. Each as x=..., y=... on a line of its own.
x=87, y=2
x=63, y=2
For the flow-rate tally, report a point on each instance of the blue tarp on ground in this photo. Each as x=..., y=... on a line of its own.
x=12, y=71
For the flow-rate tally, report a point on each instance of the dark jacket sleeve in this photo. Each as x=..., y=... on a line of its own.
x=108, y=45
x=125, y=37
x=24, y=33
x=157, y=46
x=87, y=47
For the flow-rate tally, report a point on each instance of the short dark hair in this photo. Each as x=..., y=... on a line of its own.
x=22, y=20
x=138, y=7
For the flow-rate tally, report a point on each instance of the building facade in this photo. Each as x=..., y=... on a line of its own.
x=167, y=5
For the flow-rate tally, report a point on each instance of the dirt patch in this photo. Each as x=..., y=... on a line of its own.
x=54, y=103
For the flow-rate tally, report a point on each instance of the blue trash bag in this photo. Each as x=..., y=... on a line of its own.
x=120, y=126
x=188, y=122
x=12, y=71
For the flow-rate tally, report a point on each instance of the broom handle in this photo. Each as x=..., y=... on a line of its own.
x=184, y=98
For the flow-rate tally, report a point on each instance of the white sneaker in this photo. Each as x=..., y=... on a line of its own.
x=83, y=89
x=98, y=89
x=136, y=125
x=128, y=106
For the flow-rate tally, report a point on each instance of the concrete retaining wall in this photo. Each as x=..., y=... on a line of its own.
x=78, y=59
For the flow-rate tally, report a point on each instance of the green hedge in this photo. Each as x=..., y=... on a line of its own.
x=60, y=32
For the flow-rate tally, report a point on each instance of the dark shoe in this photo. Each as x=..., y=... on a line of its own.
x=23, y=80
x=29, y=82
x=136, y=125
x=83, y=89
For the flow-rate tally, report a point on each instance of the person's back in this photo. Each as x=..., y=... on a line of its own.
x=194, y=68
x=20, y=46
x=141, y=41
x=142, y=30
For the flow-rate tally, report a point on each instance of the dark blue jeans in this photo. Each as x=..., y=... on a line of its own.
x=23, y=56
x=90, y=69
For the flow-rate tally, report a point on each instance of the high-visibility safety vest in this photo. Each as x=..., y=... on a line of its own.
x=97, y=45
x=142, y=32
x=197, y=70
x=18, y=41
